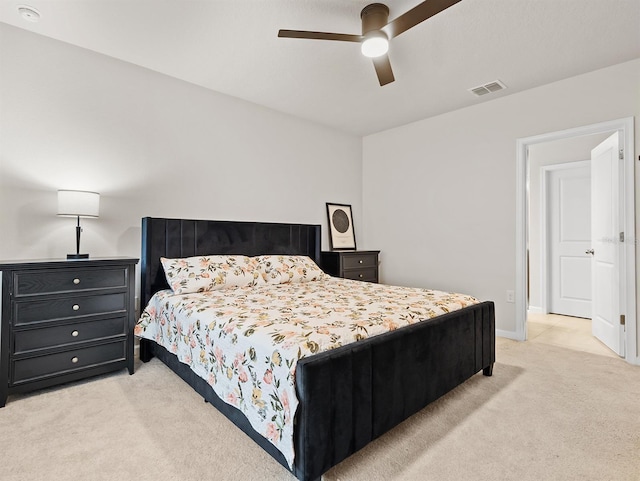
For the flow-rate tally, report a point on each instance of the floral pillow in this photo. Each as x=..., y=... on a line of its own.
x=209, y=273
x=275, y=269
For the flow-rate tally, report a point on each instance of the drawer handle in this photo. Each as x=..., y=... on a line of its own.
x=75, y=333
x=76, y=307
x=76, y=281
x=360, y=261
x=361, y=276
x=74, y=359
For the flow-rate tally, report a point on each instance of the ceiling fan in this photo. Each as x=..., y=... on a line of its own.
x=377, y=31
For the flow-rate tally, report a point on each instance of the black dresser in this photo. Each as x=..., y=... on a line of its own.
x=356, y=265
x=65, y=320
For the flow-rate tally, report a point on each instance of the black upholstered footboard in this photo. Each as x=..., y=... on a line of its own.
x=351, y=395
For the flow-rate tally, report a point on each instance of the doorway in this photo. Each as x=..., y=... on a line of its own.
x=525, y=268
x=564, y=230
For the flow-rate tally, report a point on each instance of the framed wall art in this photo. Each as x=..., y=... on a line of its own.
x=341, y=233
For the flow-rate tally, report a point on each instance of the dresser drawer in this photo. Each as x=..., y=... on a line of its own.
x=68, y=280
x=68, y=361
x=368, y=275
x=45, y=337
x=67, y=307
x=359, y=261
x=64, y=320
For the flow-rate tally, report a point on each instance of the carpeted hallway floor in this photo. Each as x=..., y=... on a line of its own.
x=548, y=413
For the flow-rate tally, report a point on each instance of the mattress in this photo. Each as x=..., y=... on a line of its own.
x=246, y=341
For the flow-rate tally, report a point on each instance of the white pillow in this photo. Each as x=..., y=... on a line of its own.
x=208, y=273
x=277, y=269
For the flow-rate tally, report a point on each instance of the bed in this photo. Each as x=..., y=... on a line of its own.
x=350, y=395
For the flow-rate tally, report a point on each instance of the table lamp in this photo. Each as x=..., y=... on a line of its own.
x=77, y=203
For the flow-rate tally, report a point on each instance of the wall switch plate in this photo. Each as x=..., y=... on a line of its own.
x=511, y=296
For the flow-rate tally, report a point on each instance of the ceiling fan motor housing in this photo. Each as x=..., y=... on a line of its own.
x=374, y=17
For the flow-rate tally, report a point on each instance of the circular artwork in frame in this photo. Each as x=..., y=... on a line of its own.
x=341, y=233
x=340, y=221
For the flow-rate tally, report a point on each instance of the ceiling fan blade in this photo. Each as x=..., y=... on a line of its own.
x=383, y=69
x=343, y=37
x=416, y=15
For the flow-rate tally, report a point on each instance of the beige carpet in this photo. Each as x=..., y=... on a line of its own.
x=547, y=413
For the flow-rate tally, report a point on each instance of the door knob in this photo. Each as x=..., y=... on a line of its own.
x=590, y=251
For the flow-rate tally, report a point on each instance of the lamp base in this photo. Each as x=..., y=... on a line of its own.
x=77, y=256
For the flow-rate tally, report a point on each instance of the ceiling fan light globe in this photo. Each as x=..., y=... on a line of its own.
x=374, y=44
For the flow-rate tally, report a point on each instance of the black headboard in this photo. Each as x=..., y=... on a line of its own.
x=185, y=238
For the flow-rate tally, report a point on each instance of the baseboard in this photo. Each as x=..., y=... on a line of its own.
x=508, y=334
x=535, y=310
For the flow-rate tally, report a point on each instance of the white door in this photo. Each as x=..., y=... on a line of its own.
x=605, y=232
x=569, y=204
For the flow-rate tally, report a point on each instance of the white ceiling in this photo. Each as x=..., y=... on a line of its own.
x=231, y=46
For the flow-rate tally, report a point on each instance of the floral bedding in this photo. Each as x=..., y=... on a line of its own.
x=245, y=341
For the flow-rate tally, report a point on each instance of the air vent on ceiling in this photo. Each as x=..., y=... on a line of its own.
x=488, y=88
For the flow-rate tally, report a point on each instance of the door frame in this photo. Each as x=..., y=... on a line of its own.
x=628, y=290
x=545, y=269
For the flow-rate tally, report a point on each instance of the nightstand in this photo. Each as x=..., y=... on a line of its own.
x=65, y=320
x=356, y=265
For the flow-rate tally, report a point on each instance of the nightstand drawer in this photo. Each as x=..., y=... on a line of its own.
x=68, y=361
x=68, y=307
x=358, y=261
x=356, y=265
x=368, y=275
x=68, y=280
x=45, y=337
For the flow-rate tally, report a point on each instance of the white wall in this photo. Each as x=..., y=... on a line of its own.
x=439, y=194
x=152, y=146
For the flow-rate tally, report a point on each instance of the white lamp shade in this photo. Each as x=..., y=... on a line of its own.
x=77, y=203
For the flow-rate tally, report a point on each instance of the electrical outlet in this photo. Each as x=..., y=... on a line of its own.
x=511, y=296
